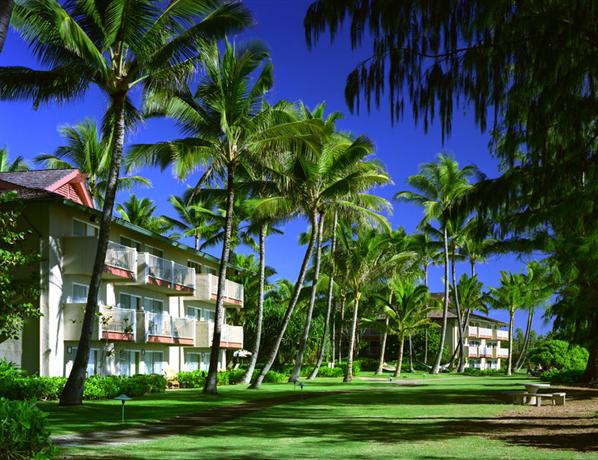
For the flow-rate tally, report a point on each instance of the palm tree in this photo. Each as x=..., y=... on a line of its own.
x=310, y=179
x=366, y=257
x=227, y=124
x=118, y=46
x=18, y=164
x=193, y=218
x=439, y=187
x=407, y=312
x=5, y=12
x=140, y=212
x=88, y=152
x=510, y=296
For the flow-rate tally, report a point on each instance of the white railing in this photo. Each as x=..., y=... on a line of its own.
x=122, y=320
x=232, y=334
x=121, y=256
x=501, y=335
x=209, y=283
x=487, y=352
x=485, y=332
x=165, y=325
x=501, y=352
x=472, y=352
x=183, y=328
x=472, y=331
x=169, y=271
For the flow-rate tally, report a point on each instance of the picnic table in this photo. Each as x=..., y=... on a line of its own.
x=532, y=390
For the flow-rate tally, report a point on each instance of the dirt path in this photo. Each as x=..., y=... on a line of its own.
x=181, y=424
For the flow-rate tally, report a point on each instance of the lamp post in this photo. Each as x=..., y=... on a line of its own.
x=123, y=398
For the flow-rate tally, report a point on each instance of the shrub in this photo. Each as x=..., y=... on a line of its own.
x=23, y=431
x=236, y=375
x=356, y=367
x=276, y=377
x=558, y=354
x=483, y=372
x=331, y=372
x=191, y=379
x=368, y=364
x=562, y=375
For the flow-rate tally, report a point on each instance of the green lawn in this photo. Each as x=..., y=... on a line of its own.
x=433, y=419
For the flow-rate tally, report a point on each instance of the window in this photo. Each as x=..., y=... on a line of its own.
x=80, y=292
x=208, y=315
x=153, y=305
x=195, y=266
x=209, y=270
x=130, y=243
x=193, y=313
x=127, y=362
x=131, y=302
x=197, y=361
x=153, y=362
x=93, y=365
x=81, y=228
x=154, y=251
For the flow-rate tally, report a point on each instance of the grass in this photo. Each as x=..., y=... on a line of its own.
x=433, y=418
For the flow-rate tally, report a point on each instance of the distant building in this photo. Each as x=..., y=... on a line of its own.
x=157, y=296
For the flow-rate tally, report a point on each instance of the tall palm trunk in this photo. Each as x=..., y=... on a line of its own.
x=400, y=357
x=295, y=375
x=210, y=385
x=260, y=307
x=436, y=367
x=72, y=394
x=380, y=369
x=341, y=330
x=292, y=304
x=426, y=329
x=410, y=354
x=314, y=373
x=526, y=340
x=461, y=367
x=333, y=339
x=510, y=360
x=349, y=371
x=5, y=13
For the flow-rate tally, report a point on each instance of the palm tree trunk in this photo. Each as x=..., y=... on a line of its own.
x=380, y=369
x=400, y=357
x=72, y=394
x=5, y=13
x=295, y=375
x=410, y=354
x=341, y=330
x=591, y=372
x=260, y=307
x=291, y=307
x=314, y=373
x=333, y=339
x=210, y=385
x=511, y=321
x=349, y=371
x=426, y=346
x=461, y=367
x=526, y=341
x=436, y=367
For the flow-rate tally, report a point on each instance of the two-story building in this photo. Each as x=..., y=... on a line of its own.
x=157, y=297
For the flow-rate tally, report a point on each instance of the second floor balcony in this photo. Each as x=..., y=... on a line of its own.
x=207, y=290
x=78, y=255
x=231, y=337
x=167, y=329
x=111, y=324
x=168, y=276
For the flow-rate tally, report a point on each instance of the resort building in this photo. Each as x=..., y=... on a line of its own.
x=157, y=296
x=486, y=342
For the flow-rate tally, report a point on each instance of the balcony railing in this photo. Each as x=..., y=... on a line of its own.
x=485, y=333
x=501, y=353
x=121, y=256
x=117, y=324
x=472, y=352
x=487, y=352
x=231, y=337
x=120, y=261
x=472, y=331
x=207, y=289
x=163, y=328
x=168, y=273
x=501, y=335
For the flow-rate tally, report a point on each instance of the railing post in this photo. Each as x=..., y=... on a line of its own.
x=146, y=268
x=172, y=273
x=172, y=334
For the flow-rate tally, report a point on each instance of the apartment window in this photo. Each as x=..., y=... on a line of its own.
x=130, y=243
x=127, y=362
x=209, y=270
x=154, y=362
x=197, y=361
x=80, y=292
x=128, y=301
x=208, y=315
x=195, y=266
x=153, y=305
x=81, y=228
x=193, y=313
x=154, y=251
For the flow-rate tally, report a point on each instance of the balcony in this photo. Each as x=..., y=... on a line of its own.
x=167, y=276
x=207, y=290
x=472, y=352
x=485, y=333
x=486, y=352
x=166, y=329
x=501, y=353
x=472, y=331
x=232, y=336
x=112, y=324
x=79, y=253
x=501, y=335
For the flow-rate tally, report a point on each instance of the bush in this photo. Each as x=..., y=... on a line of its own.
x=558, y=354
x=276, y=377
x=235, y=376
x=368, y=364
x=483, y=372
x=23, y=431
x=562, y=375
x=191, y=379
x=331, y=372
x=356, y=367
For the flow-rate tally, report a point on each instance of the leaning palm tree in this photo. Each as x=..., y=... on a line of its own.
x=227, y=125
x=511, y=295
x=407, y=312
x=439, y=186
x=118, y=46
x=88, y=152
x=194, y=218
x=141, y=212
x=18, y=164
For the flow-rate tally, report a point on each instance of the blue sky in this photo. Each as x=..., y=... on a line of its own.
x=311, y=76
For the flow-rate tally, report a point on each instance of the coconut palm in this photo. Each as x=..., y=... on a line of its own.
x=140, y=212
x=366, y=257
x=88, y=152
x=407, y=312
x=511, y=295
x=117, y=46
x=439, y=185
x=194, y=218
x=18, y=164
x=226, y=124
x=5, y=12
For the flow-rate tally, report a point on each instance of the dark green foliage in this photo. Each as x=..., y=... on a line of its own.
x=558, y=354
x=23, y=431
x=484, y=372
x=196, y=379
x=562, y=375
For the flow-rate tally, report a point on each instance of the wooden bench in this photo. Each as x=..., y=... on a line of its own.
x=559, y=398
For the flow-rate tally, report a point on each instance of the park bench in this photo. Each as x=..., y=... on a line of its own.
x=522, y=397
